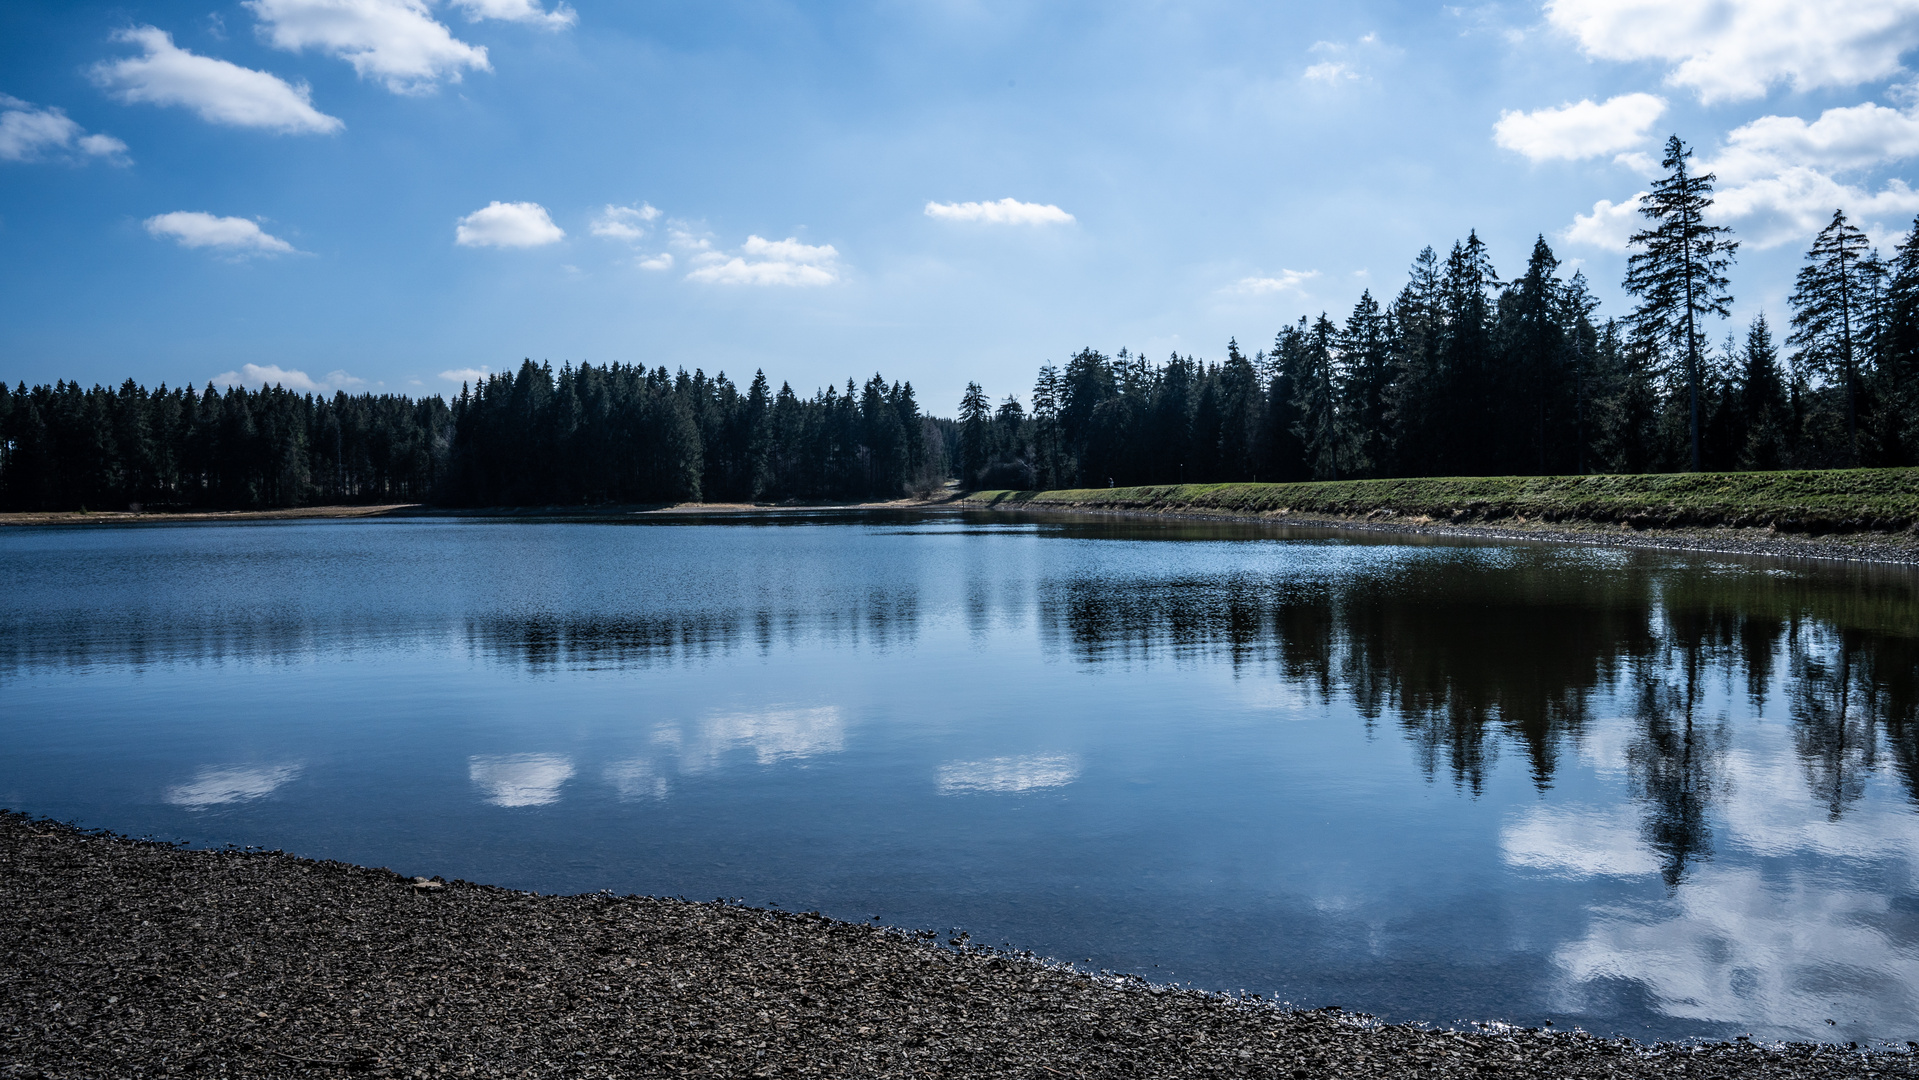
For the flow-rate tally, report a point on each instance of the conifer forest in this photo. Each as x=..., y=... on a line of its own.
x=1462, y=372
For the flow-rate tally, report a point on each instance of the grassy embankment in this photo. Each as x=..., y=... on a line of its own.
x=1823, y=502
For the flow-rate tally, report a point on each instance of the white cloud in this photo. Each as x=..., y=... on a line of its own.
x=194, y=229
x=1609, y=225
x=397, y=42
x=1007, y=211
x=519, y=779
x=1003, y=775
x=681, y=235
x=1781, y=177
x=1728, y=50
x=1344, y=62
x=255, y=375
x=466, y=374
x=29, y=133
x=1640, y=162
x=624, y=222
x=662, y=261
x=1854, y=137
x=1580, y=130
x=526, y=11
x=769, y=262
x=1331, y=72
x=222, y=93
x=1287, y=279
x=508, y=225
x=217, y=786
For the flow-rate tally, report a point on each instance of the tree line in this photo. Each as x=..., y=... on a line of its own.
x=1464, y=374
x=1461, y=373
x=581, y=435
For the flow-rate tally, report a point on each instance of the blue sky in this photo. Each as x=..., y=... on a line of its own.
x=940, y=191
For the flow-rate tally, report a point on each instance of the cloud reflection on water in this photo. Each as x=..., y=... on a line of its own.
x=1007, y=774
x=773, y=735
x=519, y=779
x=216, y=785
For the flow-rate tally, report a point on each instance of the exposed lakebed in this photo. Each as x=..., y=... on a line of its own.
x=1650, y=794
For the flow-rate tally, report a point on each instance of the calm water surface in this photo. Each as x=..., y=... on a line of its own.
x=1655, y=795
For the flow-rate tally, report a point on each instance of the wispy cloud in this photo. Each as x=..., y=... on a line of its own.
x=252, y=376
x=467, y=374
x=1286, y=280
x=1008, y=211
x=31, y=133
x=508, y=225
x=627, y=223
x=232, y=235
x=523, y=11
x=220, y=92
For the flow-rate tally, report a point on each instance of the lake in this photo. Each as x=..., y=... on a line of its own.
x=1649, y=794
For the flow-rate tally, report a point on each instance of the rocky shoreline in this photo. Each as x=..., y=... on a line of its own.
x=128, y=958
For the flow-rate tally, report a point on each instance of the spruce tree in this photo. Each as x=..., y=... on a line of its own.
x=1832, y=311
x=1679, y=271
x=975, y=433
x=1364, y=343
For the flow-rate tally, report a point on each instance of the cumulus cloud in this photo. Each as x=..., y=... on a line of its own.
x=1287, y=279
x=624, y=222
x=1853, y=137
x=220, y=92
x=1007, y=211
x=526, y=11
x=1781, y=177
x=466, y=374
x=255, y=375
x=237, y=236
x=30, y=133
x=767, y=262
x=1580, y=130
x=397, y=43
x=1007, y=775
x=508, y=225
x=662, y=261
x=1729, y=50
x=1609, y=225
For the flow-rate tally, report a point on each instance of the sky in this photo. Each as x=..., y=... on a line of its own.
x=391, y=196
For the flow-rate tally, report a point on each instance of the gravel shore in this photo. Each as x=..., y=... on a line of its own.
x=125, y=958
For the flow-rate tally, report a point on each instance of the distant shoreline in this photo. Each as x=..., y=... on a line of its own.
x=122, y=957
x=1824, y=540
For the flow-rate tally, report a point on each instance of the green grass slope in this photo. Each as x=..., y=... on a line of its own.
x=1839, y=500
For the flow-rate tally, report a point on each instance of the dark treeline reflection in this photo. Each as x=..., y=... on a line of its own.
x=1465, y=649
x=882, y=620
